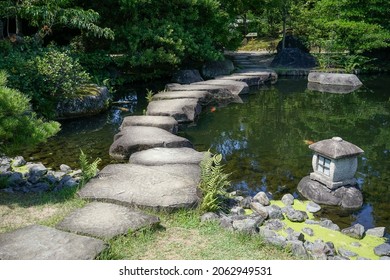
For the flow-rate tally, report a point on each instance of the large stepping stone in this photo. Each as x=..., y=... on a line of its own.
x=44, y=243
x=166, y=187
x=254, y=78
x=106, y=220
x=202, y=96
x=218, y=93
x=137, y=138
x=161, y=156
x=167, y=123
x=235, y=87
x=182, y=110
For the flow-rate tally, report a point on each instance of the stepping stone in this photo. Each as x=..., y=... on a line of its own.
x=235, y=87
x=253, y=78
x=217, y=92
x=106, y=220
x=161, y=156
x=182, y=110
x=167, y=123
x=202, y=96
x=166, y=187
x=44, y=243
x=137, y=138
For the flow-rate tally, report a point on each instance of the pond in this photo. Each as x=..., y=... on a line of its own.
x=265, y=139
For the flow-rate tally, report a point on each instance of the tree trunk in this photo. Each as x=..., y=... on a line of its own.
x=284, y=33
x=245, y=25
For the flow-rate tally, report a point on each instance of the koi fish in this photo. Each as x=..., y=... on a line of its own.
x=308, y=142
x=213, y=109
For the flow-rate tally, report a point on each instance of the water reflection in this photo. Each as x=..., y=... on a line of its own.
x=265, y=139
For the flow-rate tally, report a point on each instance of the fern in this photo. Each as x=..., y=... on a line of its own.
x=149, y=95
x=88, y=170
x=213, y=184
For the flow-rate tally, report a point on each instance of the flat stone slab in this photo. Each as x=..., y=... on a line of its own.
x=340, y=89
x=161, y=156
x=166, y=187
x=334, y=79
x=44, y=243
x=137, y=138
x=182, y=110
x=202, y=96
x=253, y=78
x=165, y=122
x=235, y=87
x=106, y=220
x=217, y=92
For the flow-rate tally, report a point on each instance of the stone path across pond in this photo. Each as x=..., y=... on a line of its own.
x=163, y=174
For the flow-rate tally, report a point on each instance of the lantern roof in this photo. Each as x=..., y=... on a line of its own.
x=336, y=148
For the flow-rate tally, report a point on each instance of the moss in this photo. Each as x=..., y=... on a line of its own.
x=340, y=240
x=88, y=90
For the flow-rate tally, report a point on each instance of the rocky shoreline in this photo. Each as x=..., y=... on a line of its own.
x=19, y=176
x=290, y=224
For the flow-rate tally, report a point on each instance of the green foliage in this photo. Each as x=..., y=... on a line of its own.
x=149, y=95
x=213, y=183
x=89, y=170
x=45, y=75
x=19, y=125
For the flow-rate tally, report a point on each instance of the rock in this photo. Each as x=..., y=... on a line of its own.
x=37, y=169
x=295, y=236
x=308, y=231
x=18, y=161
x=356, y=244
x=182, y=110
x=346, y=253
x=382, y=250
x=4, y=168
x=258, y=78
x=348, y=197
x=226, y=222
x=384, y=258
x=40, y=187
x=187, y=76
x=165, y=187
x=334, y=79
x=274, y=212
x=259, y=209
x=237, y=210
x=297, y=248
x=136, y=138
x=329, y=224
x=209, y=217
x=355, y=231
x=288, y=199
x=43, y=243
x=165, y=122
x=15, y=179
x=295, y=215
x=262, y=198
x=70, y=183
x=337, y=258
x=277, y=240
x=65, y=168
x=266, y=232
x=161, y=156
x=106, y=220
x=235, y=87
x=378, y=231
x=247, y=226
x=317, y=250
x=246, y=202
x=311, y=222
x=293, y=58
x=203, y=97
x=217, y=93
x=86, y=105
x=313, y=207
x=214, y=69
x=274, y=224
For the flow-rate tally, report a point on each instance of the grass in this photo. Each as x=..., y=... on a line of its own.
x=19, y=210
x=261, y=44
x=182, y=236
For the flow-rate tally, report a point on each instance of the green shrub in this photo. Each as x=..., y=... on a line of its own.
x=89, y=170
x=19, y=125
x=213, y=183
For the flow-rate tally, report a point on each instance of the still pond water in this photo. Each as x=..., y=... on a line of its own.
x=265, y=140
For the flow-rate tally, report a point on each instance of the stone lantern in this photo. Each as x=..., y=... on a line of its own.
x=332, y=181
x=334, y=162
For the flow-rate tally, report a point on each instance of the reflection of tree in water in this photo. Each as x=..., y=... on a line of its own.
x=263, y=140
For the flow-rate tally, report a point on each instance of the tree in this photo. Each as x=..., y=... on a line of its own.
x=19, y=125
x=45, y=15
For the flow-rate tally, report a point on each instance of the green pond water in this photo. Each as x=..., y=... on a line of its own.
x=265, y=139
